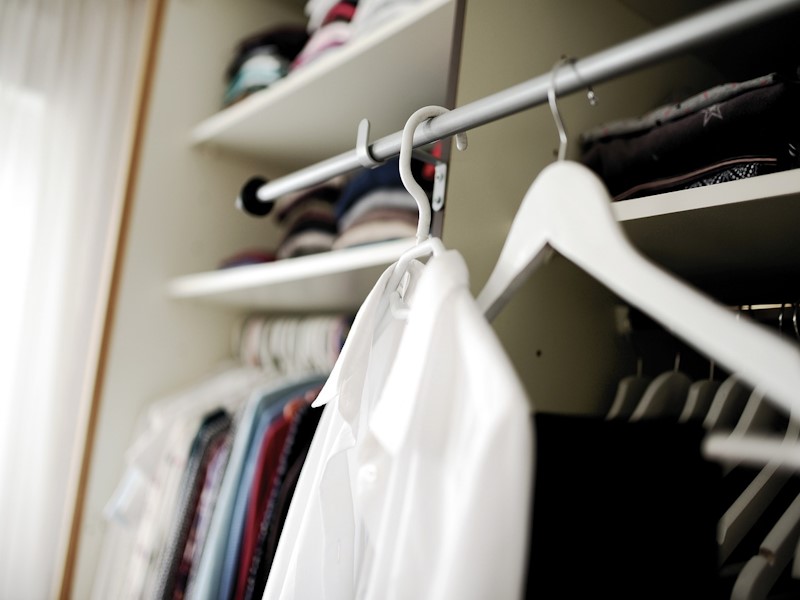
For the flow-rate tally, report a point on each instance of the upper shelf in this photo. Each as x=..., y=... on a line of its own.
x=384, y=76
x=331, y=281
x=735, y=239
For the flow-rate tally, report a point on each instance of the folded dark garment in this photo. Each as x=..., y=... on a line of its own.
x=759, y=124
x=309, y=241
x=670, y=112
x=288, y=41
x=728, y=170
x=632, y=507
x=313, y=220
x=386, y=175
x=261, y=69
x=247, y=257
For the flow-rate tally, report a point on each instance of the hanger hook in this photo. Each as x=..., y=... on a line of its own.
x=551, y=98
x=363, y=153
x=406, y=147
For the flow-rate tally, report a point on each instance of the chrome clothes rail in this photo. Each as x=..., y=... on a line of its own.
x=639, y=52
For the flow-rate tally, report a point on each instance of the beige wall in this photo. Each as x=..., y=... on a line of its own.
x=560, y=321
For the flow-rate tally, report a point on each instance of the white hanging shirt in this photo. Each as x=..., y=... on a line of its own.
x=418, y=481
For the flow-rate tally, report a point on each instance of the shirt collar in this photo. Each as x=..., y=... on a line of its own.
x=426, y=297
x=392, y=417
x=349, y=370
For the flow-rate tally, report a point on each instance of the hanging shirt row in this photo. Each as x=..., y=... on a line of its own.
x=415, y=468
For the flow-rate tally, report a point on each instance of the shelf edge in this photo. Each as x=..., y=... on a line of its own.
x=762, y=187
x=235, y=279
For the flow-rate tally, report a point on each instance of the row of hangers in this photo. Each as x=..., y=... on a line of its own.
x=723, y=403
x=673, y=394
x=288, y=346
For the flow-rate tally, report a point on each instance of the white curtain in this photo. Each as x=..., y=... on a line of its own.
x=67, y=80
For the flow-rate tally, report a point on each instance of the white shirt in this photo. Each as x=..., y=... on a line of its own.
x=141, y=507
x=418, y=481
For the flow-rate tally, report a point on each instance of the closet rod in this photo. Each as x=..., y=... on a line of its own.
x=618, y=60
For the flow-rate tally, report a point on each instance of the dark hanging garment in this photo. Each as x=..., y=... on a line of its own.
x=298, y=441
x=622, y=510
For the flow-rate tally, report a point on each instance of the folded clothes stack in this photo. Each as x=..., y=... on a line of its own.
x=270, y=55
x=731, y=131
x=372, y=14
x=308, y=219
x=328, y=28
x=249, y=256
x=334, y=23
x=262, y=59
x=369, y=206
x=375, y=206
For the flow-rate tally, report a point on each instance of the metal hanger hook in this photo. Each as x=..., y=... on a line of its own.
x=551, y=98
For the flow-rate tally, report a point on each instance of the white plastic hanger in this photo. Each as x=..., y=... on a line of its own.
x=630, y=390
x=567, y=209
x=758, y=417
x=665, y=396
x=763, y=449
x=740, y=517
x=699, y=398
x=727, y=406
x=426, y=244
x=761, y=572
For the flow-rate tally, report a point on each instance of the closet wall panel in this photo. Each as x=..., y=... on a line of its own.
x=561, y=321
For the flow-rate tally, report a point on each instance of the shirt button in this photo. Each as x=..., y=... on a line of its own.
x=368, y=473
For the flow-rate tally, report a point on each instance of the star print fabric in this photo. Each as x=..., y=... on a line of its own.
x=752, y=129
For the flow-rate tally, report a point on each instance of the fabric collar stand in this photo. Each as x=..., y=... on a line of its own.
x=350, y=370
x=394, y=413
x=352, y=359
x=431, y=285
x=392, y=416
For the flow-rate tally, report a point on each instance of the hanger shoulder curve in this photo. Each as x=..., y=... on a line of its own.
x=698, y=400
x=727, y=405
x=568, y=209
x=629, y=392
x=664, y=397
x=761, y=572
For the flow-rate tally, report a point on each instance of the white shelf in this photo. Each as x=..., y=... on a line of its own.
x=332, y=281
x=725, y=237
x=384, y=76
